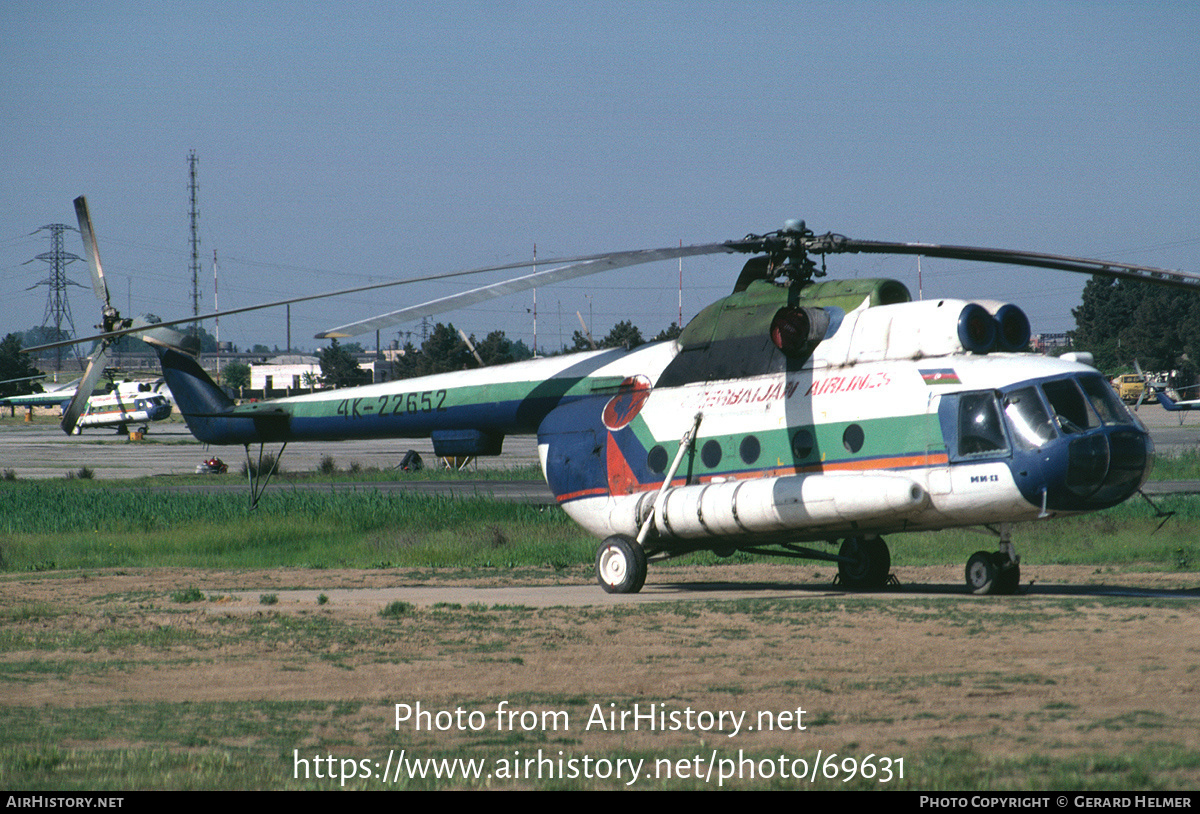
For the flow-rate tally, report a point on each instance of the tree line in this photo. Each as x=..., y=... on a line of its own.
x=444, y=351
x=1123, y=321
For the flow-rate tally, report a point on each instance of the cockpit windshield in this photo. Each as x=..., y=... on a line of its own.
x=1028, y=418
x=1031, y=415
x=1075, y=405
x=1105, y=400
x=1071, y=409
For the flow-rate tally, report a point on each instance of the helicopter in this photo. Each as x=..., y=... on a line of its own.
x=123, y=406
x=795, y=417
x=1173, y=405
x=118, y=405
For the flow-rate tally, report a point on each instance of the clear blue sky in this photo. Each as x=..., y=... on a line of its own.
x=342, y=143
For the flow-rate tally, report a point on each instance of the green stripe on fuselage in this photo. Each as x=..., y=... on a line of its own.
x=883, y=439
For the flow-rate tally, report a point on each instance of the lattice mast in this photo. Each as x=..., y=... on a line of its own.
x=58, y=309
x=194, y=220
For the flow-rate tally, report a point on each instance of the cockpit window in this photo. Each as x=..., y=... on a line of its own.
x=1028, y=418
x=1071, y=409
x=979, y=427
x=1106, y=402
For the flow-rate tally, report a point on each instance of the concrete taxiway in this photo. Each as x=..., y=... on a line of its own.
x=43, y=451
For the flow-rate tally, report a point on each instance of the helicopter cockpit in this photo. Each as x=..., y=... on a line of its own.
x=1070, y=442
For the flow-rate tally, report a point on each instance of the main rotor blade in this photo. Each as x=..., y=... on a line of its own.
x=648, y=254
x=91, y=249
x=87, y=384
x=594, y=265
x=789, y=243
x=838, y=244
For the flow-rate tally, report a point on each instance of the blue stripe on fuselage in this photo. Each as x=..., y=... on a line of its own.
x=361, y=420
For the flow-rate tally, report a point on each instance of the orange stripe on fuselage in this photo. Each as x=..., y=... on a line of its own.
x=898, y=462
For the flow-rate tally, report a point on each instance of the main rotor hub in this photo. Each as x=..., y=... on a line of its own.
x=788, y=250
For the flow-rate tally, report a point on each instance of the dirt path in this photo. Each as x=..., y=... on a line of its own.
x=1064, y=672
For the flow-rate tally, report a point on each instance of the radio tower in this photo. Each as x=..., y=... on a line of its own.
x=193, y=187
x=58, y=310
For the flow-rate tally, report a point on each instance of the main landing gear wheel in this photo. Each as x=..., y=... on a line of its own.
x=867, y=565
x=621, y=565
x=992, y=573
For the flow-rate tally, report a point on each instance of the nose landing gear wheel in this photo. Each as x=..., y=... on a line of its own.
x=981, y=572
x=621, y=565
x=992, y=573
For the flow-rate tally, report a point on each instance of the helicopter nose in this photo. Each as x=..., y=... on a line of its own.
x=1101, y=468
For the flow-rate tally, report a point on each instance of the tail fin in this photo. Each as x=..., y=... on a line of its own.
x=201, y=402
x=210, y=414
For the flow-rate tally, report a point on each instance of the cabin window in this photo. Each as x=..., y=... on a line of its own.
x=852, y=438
x=980, y=430
x=750, y=449
x=711, y=454
x=802, y=444
x=656, y=459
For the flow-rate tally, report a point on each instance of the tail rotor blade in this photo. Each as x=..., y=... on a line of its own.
x=91, y=249
x=87, y=384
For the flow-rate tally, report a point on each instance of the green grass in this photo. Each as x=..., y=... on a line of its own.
x=54, y=525
x=46, y=525
x=1185, y=466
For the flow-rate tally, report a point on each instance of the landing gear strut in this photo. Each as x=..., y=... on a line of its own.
x=995, y=572
x=260, y=475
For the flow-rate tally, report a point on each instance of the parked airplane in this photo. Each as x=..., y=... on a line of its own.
x=787, y=414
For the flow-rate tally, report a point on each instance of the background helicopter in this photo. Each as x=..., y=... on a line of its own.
x=1171, y=405
x=117, y=405
x=789, y=412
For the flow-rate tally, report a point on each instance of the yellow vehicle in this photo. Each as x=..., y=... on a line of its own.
x=1129, y=387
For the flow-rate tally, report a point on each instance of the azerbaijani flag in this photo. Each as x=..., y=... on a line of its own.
x=941, y=375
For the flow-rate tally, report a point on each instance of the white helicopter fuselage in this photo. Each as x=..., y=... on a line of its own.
x=872, y=434
x=120, y=409
x=900, y=476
